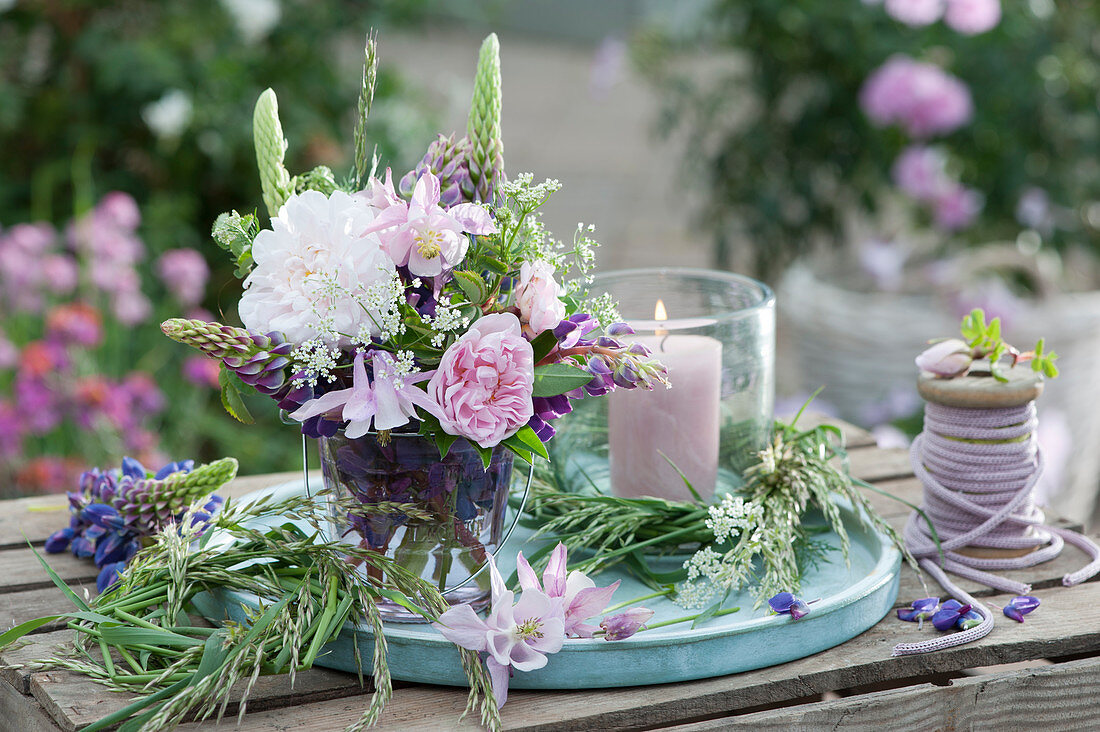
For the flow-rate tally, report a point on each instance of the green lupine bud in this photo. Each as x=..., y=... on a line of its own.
x=483, y=126
x=267, y=133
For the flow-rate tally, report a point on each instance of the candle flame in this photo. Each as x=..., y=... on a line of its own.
x=659, y=312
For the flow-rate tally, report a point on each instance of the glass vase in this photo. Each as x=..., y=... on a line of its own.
x=438, y=518
x=715, y=332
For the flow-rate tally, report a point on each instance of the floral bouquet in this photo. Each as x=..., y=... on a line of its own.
x=427, y=332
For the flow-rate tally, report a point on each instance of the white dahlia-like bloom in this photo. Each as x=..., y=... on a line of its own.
x=316, y=272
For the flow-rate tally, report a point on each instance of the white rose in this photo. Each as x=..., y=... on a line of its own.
x=538, y=296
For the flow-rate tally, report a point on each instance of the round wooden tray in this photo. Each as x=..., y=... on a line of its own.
x=853, y=598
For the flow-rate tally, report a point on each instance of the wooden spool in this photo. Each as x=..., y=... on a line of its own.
x=979, y=390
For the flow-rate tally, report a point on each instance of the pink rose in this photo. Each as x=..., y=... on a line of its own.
x=538, y=296
x=484, y=381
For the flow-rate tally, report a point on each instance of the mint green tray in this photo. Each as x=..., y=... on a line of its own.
x=852, y=599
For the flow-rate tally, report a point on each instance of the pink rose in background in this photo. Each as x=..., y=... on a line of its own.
x=484, y=382
x=184, y=272
x=971, y=17
x=956, y=208
x=538, y=296
x=915, y=13
x=920, y=97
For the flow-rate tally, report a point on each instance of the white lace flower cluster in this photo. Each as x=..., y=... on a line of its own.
x=733, y=521
x=446, y=320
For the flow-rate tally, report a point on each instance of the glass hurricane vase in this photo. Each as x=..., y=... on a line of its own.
x=438, y=518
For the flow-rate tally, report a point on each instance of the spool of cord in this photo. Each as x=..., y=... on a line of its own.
x=979, y=460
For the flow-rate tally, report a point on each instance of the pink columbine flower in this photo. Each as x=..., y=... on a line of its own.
x=576, y=593
x=424, y=236
x=971, y=17
x=387, y=403
x=515, y=634
x=946, y=359
x=380, y=195
x=485, y=381
x=625, y=624
x=915, y=13
x=538, y=296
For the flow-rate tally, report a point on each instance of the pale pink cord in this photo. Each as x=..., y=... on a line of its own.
x=978, y=467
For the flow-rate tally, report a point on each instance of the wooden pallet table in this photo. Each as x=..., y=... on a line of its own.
x=1044, y=673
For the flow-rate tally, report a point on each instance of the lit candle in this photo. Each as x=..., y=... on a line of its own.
x=680, y=424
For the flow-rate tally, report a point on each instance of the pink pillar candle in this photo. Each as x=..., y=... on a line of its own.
x=681, y=422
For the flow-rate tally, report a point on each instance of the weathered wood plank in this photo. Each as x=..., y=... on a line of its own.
x=863, y=660
x=19, y=607
x=20, y=713
x=854, y=437
x=13, y=661
x=1061, y=697
x=23, y=571
x=74, y=701
x=878, y=465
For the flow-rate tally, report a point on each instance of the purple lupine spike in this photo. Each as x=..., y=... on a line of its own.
x=448, y=159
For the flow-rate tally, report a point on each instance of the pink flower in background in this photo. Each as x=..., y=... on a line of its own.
x=37, y=404
x=971, y=17
x=118, y=210
x=885, y=262
x=11, y=431
x=146, y=397
x=485, y=380
x=131, y=308
x=425, y=237
x=915, y=13
x=76, y=324
x=538, y=296
x=607, y=66
x=956, y=208
x=921, y=172
x=9, y=353
x=202, y=371
x=920, y=97
x=993, y=296
x=1034, y=210
x=60, y=274
x=42, y=358
x=184, y=272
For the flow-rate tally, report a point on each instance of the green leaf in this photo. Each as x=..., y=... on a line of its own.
x=558, y=378
x=495, y=265
x=123, y=635
x=529, y=441
x=690, y=487
x=232, y=400
x=486, y=454
x=56, y=579
x=543, y=344
x=444, y=441
x=23, y=628
x=403, y=601
x=707, y=614
x=471, y=285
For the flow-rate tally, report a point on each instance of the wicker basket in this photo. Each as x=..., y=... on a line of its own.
x=860, y=346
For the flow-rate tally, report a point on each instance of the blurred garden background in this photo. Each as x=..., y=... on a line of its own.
x=886, y=166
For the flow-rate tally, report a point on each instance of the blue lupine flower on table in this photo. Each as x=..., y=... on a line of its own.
x=969, y=619
x=949, y=614
x=919, y=611
x=787, y=604
x=1020, y=606
x=114, y=510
